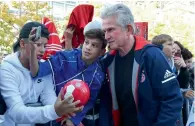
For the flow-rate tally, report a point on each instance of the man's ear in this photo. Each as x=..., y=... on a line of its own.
x=22, y=43
x=130, y=29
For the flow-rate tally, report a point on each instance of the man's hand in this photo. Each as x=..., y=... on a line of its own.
x=69, y=123
x=66, y=122
x=189, y=94
x=63, y=107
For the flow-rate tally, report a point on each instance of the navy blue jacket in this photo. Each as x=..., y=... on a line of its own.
x=155, y=89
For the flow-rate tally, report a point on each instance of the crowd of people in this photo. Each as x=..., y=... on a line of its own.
x=134, y=83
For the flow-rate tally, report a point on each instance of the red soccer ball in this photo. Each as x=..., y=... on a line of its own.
x=78, y=89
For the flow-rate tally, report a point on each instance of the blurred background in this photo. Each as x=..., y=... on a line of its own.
x=175, y=18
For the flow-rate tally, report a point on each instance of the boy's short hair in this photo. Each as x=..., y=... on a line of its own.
x=161, y=39
x=186, y=54
x=97, y=34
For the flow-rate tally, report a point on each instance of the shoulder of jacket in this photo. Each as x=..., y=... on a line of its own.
x=153, y=51
x=7, y=66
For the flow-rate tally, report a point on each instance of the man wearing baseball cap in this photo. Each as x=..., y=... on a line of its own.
x=21, y=92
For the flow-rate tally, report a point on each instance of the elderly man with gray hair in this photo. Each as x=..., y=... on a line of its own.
x=142, y=89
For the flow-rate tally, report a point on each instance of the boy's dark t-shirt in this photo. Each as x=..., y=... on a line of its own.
x=123, y=86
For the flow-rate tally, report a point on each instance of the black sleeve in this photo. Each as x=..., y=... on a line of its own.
x=106, y=61
x=183, y=77
x=2, y=105
x=191, y=71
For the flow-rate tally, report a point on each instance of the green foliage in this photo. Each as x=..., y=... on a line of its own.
x=164, y=17
x=12, y=21
x=173, y=18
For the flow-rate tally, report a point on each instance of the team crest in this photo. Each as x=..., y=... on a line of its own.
x=143, y=77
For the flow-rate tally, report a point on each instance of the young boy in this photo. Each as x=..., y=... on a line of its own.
x=166, y=42
x=76, y=64
x=188, y=58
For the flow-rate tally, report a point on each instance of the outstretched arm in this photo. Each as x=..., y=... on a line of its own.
x=37, y=68
x=34, y=66
x=68, y=34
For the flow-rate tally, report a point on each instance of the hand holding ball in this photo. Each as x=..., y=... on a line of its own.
x=78, y=89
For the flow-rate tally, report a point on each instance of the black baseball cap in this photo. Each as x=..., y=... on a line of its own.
x=25, y=31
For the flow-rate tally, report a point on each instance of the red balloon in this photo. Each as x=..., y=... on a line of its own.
x=78, y=89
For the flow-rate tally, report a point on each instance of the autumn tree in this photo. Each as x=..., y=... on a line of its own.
x=61, y=24
x=15, y=14
x=175, y=18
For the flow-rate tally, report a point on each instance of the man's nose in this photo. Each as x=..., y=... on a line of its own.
x=107, y=36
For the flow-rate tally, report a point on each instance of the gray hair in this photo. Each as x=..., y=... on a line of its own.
x=123, y=13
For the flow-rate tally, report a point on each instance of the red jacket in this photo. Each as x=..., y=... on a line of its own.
x=80, y=16
x=53, y=44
